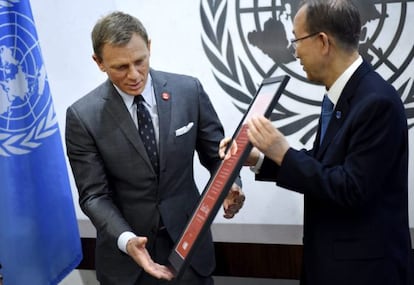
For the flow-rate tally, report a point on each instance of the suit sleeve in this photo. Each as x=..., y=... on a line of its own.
x=210, y=132
x=360, y=160
x=89, y=172
x=268, y=171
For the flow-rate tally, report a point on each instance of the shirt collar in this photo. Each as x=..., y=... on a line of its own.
x=147, y=94
x=335, y=91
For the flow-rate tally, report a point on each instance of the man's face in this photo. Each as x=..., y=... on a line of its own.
x=127, y=66
x=307, y=49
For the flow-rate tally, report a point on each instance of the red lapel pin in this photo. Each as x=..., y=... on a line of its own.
x=165, y=96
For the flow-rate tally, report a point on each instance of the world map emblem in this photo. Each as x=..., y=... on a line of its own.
x=247, y=41
x=26, y=111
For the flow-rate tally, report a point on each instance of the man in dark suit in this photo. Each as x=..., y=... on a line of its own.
x=138, y=208
x=355, y=178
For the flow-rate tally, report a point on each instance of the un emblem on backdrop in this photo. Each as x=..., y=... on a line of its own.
x=247, y=41
x=26, y=111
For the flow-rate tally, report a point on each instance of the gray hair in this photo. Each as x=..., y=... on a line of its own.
x=339, y=18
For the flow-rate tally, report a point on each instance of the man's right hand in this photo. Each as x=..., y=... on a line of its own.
x=138, y=252
x=251, y=159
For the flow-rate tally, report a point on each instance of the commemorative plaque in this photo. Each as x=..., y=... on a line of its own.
x=220, y=183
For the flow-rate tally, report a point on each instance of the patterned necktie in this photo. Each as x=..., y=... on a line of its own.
x=146, y=131
x=327, y=110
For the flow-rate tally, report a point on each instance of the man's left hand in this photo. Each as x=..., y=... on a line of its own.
x=233, y=202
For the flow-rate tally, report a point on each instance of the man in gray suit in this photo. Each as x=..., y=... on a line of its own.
x=140, y=210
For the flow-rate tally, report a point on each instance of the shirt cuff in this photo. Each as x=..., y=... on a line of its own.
x=256, y=168
x=123, y=240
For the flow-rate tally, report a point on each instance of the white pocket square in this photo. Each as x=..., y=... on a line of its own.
x=183, y=130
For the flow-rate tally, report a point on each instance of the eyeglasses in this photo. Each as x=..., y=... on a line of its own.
x=294, y=41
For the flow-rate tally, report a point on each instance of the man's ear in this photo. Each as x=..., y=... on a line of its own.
x=326, y=43
x=149, y=46
x=98, y=62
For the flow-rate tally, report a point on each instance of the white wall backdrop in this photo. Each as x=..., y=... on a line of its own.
x=176, y=32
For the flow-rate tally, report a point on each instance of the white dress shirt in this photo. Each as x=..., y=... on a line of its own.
x=151, y=104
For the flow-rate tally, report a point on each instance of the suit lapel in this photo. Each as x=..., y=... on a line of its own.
x=342, y=107
x=164, y=98
x=118, y=111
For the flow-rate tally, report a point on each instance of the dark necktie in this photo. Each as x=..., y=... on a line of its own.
x=327, y=110
x=146, y=131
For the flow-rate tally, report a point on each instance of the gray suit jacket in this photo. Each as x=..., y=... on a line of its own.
x=118, y=189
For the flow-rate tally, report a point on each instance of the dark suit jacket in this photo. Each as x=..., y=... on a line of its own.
x=119, y=191
x=355, y=188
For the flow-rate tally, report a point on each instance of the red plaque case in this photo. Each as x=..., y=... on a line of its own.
x=220, y=183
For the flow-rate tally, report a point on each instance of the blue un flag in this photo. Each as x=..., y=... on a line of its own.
x=39, y=237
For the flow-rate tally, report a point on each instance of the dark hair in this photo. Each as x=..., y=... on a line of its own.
x=117, y=28
x=339, y=18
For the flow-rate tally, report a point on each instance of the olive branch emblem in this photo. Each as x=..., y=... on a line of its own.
x=218, y=51
x=233, y=76
x=23, y=143
x=408, y=93
x=8, y=3
x=218, y=46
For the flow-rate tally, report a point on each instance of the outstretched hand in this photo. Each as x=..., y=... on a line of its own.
x=138, y=252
